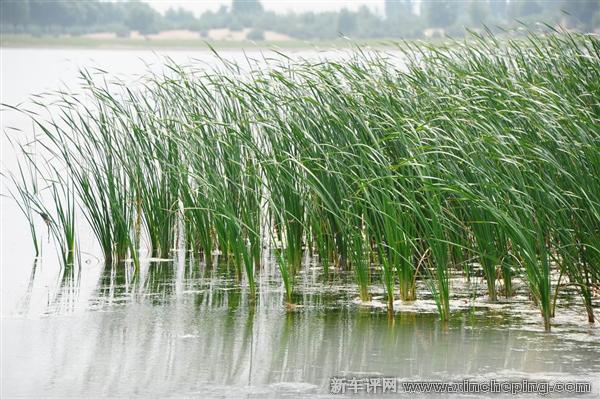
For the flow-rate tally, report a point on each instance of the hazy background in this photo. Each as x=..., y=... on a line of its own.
x=279, y=6
x=273, y=20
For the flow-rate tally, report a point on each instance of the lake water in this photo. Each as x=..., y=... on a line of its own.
x=180, y=328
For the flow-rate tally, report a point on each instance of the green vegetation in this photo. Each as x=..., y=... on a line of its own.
x=482, y=155
x=401, y=19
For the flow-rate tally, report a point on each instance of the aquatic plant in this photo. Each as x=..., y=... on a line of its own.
x=479, y=157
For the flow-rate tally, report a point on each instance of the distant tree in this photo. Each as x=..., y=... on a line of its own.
x=43, y=13
x=401, y=20
x=55, y=14
x=346, y=22
x=235, y=25
x=110, y=13
x=41, y=17
x=396, y=8
x=141, y=17
x=14, y=12
x=88, y=13
x=179, y=17
x=67, y=14
x=478, y=11
x=244, y=7
x=440, y=14
x=368, y=24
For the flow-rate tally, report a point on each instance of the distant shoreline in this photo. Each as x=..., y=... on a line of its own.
x=27, y=41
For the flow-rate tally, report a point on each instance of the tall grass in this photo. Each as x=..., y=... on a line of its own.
x=482, y=154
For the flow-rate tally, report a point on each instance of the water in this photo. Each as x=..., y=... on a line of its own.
x=180, y=328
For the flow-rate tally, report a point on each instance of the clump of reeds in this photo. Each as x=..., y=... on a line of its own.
x=483, y=153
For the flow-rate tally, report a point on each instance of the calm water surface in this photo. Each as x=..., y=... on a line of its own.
x=178, y=328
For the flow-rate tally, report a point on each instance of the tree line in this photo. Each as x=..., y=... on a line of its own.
x=401, y=19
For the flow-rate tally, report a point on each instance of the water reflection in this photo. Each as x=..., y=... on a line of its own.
x=179, y=328
x=67, y=292
x=24, y=305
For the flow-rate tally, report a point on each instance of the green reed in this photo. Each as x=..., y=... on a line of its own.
x=481, y=155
